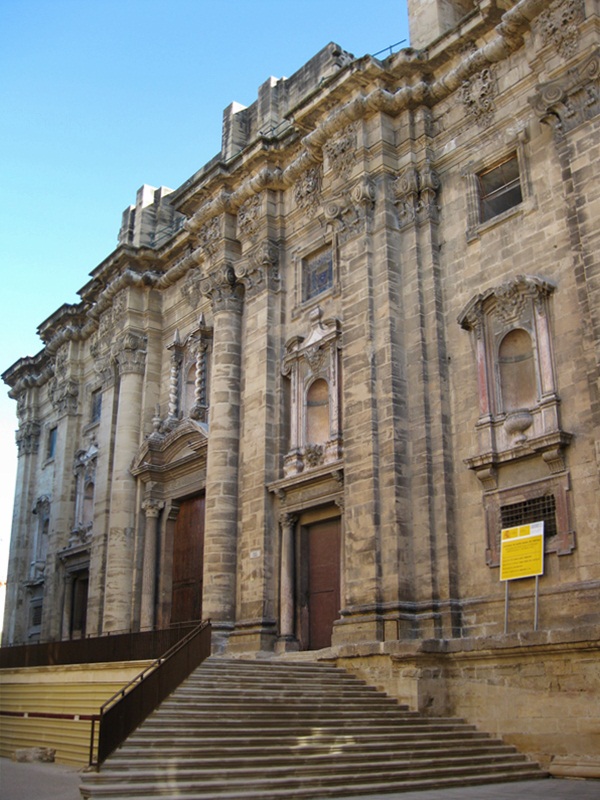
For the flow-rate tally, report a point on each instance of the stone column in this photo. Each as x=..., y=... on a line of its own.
x=95, y=614
x=152, y=509
x=130, y=357
x=28, y=442
x=287, y=606
x=220, y=544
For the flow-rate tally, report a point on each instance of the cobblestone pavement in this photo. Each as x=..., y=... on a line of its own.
x=38, y=781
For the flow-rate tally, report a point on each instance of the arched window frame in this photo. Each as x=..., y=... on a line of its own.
x=307, y=361
x=522, y=302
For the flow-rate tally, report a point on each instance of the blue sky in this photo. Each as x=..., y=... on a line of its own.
x=101, y=96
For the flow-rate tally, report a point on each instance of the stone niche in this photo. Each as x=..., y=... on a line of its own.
x=313, y=367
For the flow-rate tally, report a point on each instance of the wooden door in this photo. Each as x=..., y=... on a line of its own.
x=323, y=557
x=188, y=561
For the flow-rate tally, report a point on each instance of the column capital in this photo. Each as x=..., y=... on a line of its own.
x=224, y=290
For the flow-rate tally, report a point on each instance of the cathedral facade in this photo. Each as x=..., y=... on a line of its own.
x=314, y=389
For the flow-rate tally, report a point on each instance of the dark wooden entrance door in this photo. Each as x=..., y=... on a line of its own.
x=323, y=545
x=188, y=561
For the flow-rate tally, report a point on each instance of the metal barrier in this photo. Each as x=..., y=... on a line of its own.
x=129, y=707
x=128, y=646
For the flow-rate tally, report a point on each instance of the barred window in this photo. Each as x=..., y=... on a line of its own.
x=35, y=615
x=538, y=509
x=317, y=274
x=499, y=188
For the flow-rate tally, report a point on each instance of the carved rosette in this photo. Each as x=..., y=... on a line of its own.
x=559, y=25
x=28, y=438
x=130, y=354
x=340, y=152
x=571, y=99
x=307, y=191
x=478, y=94
x=261, y=269
x=248, y=218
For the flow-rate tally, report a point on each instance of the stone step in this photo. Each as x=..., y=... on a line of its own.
x=340, y=763
x=269, y=786
x=249, y=730
x=193, y=751
x=147, y=735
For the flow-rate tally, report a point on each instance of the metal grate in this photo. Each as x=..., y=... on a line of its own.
x=537, y=509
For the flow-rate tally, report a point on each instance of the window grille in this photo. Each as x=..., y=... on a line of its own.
x=538, y=509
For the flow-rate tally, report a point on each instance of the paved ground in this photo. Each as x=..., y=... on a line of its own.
x=56, y=782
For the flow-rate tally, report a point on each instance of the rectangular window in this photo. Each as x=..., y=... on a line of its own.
x=51, y=449
x=317, y=274
x=499, y=188
x=538, y=509
x=96, y=409
x=35, y=615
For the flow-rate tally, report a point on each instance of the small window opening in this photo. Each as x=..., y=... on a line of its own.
x=538, y=509
x=96, y=409
x=317, y=274
x=499, y=189
x=51, y=449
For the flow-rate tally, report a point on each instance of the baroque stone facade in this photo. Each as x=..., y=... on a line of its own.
x=310, y=387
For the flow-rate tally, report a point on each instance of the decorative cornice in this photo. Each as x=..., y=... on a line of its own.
x=508, y=299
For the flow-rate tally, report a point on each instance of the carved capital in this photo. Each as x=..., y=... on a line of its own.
x=28, y=438
x=347, y=215
x=571, y=99
x=261, y=269
x=130, y=354
x=224, y=291
x=152, y=507
x=416, y=194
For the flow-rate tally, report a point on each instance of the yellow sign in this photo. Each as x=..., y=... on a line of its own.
x=522, y=552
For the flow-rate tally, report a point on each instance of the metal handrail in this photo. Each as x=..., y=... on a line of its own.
x=110, y=647
x=122, y=713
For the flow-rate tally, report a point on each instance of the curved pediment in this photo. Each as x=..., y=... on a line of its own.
x=163, y=456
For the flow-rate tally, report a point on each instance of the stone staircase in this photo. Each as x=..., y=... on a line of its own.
x=271, y=730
